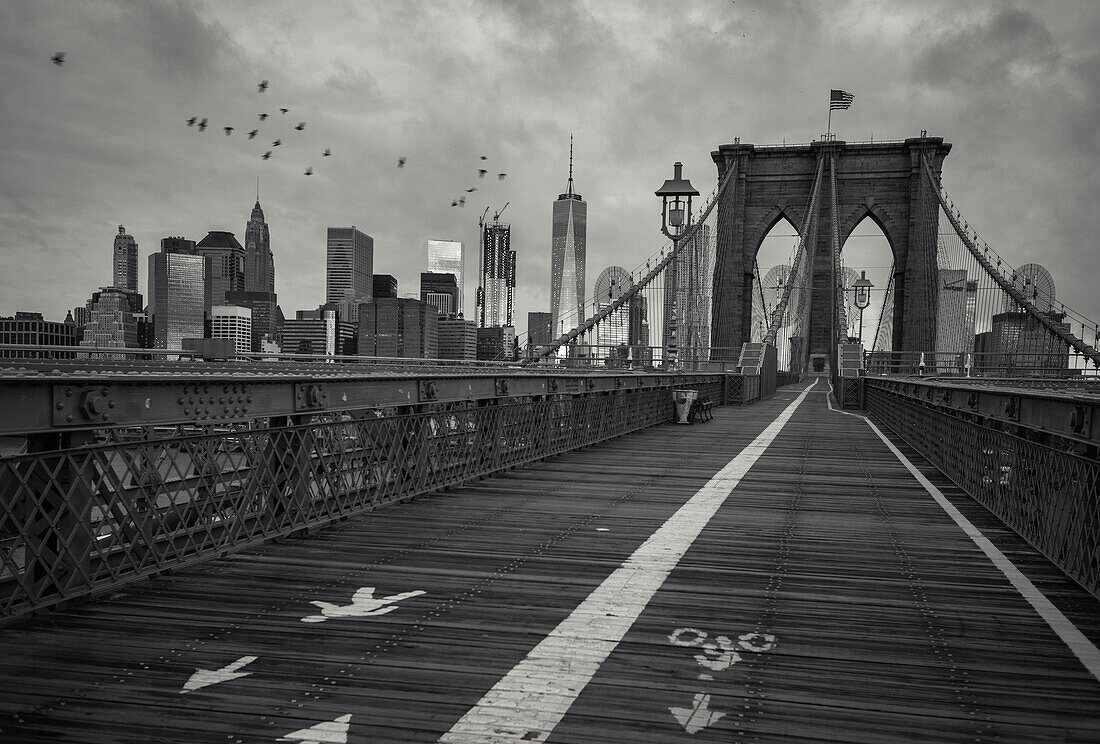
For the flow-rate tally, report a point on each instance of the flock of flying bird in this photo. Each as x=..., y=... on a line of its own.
x=262, y=86
x=481, y=172
x=59, y=60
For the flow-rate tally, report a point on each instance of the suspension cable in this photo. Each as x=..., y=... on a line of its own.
x=628, y=295
x=809, y=220
x=1007, y=286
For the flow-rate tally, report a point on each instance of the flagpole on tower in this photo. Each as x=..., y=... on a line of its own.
x=838, y=99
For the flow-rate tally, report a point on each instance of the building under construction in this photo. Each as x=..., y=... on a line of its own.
x=498, y=274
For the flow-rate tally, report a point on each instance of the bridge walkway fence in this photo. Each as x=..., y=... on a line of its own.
x=111, y=477
x=1027, y=450
x=777, y=574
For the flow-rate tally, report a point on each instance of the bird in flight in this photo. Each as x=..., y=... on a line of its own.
x=263, y=116
x=301, y=126
x=471, y=189
x=192, y=120
x=481, y=172
x=276, y=143
x=401, y=162
x=262, y=86
x=454, y=202
x=326, y=153
x=228, y=131
x=309, y=171
x=202, y=125
x=484, y=157
x=283, y=110
x=253, y=133
x=501, y=176
x=267, y=155
x=462, y=201
x=58, y=59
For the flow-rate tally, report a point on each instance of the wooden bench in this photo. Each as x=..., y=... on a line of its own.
x=700, y=410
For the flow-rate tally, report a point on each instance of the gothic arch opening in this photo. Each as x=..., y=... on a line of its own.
x=774, y=257
x=867, y=249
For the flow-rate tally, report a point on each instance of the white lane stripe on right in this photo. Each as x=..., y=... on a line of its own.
x=530, y=700
x=1084, y=649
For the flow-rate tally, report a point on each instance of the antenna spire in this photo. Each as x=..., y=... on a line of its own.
x=570, y=163
x=257, y=189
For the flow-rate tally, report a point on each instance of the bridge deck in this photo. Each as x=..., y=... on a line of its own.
x=829, y=598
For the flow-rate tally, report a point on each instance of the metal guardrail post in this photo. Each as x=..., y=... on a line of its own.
x=58, y=510
x=286, y=460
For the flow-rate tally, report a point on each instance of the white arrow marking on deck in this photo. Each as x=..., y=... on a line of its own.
x=530, y=700
x=698, y=716
x=326, y=732
x=363, y=604
x=204, y=677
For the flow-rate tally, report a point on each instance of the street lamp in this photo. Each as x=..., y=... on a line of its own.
x=675, y=196
x=862, y=288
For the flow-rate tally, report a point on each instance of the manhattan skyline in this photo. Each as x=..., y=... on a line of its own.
x=102, y=141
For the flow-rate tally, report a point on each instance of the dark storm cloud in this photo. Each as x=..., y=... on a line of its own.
x=1007, y=45
x=641, y=85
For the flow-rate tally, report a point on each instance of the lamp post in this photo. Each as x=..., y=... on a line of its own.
x=675, y=195
x=862, y=288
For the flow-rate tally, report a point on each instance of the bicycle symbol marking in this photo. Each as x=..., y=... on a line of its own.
x=720, y=653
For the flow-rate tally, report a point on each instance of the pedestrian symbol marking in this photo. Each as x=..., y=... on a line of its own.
x=363, y=604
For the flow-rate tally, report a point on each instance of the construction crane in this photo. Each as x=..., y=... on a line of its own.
x=496, y=215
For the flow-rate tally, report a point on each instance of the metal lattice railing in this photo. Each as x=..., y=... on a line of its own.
x=1043, y=484
x=85, y=509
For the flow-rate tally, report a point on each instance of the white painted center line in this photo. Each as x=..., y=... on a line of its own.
x=530, y=700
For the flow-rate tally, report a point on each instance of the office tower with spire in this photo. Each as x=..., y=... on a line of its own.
x=126, y=261
x=259, y=263
x=447, y=257
x=567, y=248
x=259, y=281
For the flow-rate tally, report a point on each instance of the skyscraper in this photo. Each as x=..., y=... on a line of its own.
x=538, y=329
x=179, y=293
x=227, y=257
x=404, y=328
x=349, y=277
x=440, y=291
x=447, y=257
x=385, y=285
x=567, y=247
x=125, y=258
x=112, y=319
x=234, y=323
x=498, y=275
x=259, y=263
x=457, y=338
x=259, y=281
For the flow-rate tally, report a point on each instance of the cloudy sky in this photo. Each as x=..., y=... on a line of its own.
x=102, y=141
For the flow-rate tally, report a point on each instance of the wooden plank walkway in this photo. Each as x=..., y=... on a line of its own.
x=829, y=598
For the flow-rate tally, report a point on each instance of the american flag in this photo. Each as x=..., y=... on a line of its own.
x=840, y=99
